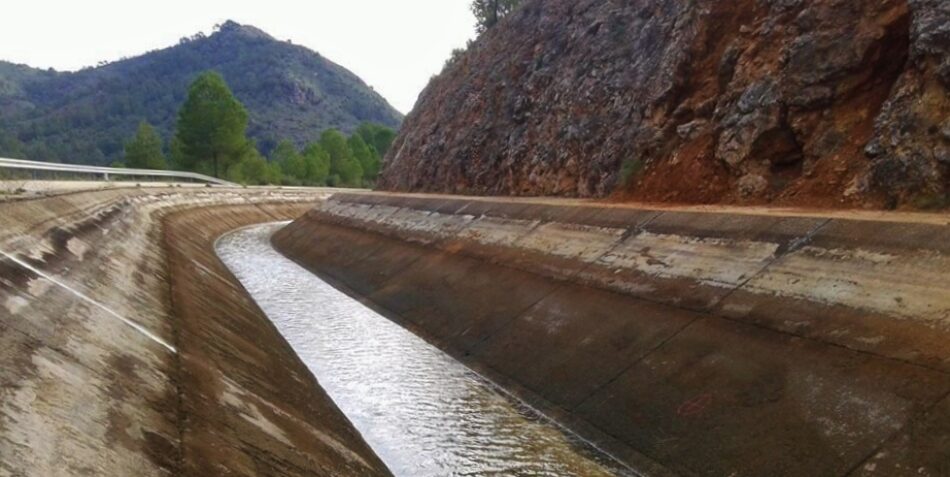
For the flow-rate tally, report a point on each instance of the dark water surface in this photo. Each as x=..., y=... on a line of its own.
x=423, y=412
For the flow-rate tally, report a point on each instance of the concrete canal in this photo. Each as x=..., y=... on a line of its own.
x=423, y=412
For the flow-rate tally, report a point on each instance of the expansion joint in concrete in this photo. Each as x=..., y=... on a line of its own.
x=630, y=231
x=917, y=417
x=783, y=251
x=636, y=362
x=564, y=280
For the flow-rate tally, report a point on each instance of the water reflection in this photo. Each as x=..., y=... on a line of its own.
x=424, y=413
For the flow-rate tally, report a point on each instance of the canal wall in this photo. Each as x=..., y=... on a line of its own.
x=129, y=349
x=683, y=342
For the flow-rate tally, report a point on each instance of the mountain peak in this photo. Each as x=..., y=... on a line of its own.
x=231, y=27
x=291, y=92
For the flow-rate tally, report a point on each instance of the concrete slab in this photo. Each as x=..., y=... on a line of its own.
x=502, y=210
x=724, y=398
x=578, y=339
x=375, y=270
x=693, y=261
x=84, y=393
x=862, y=287
x=921, y=450
x=446, y=287
x=335, y=248
x=631, y=219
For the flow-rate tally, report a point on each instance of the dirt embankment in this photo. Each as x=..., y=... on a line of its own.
x=691, y=343
x=145, y=357
x=808, y=102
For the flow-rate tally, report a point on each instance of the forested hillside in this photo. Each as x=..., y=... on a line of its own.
x=87, y=116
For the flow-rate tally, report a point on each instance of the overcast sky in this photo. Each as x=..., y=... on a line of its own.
x=394, y=45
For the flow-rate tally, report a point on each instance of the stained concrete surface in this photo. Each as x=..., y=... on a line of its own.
x=83, y=393
x=239, y=375
x=674, y=338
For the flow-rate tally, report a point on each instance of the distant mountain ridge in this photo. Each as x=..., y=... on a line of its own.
x=86, y=116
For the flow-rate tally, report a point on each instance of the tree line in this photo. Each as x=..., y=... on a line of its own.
x=211, y=138
x=489, y=12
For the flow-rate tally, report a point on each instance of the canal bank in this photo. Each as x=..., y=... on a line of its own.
x=685, y=342
x=130, y=350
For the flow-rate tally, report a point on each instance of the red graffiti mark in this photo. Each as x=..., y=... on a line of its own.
x=695, y=406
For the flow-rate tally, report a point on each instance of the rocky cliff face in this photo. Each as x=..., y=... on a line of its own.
x=813, y=102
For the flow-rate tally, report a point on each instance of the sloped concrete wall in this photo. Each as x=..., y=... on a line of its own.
x=129, y=371
x=685, y=343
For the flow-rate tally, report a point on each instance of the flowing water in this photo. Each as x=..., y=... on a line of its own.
x=422, y=412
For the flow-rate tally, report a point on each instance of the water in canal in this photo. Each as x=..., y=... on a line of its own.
x=424, y=413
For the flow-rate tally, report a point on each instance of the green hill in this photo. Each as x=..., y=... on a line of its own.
x=86, y=116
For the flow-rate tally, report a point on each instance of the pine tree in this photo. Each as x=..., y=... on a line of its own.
x=291, y=162
x=251, y=170
x=144, y=151
x=366, y=155
x=212, y=126
x=10, y=146
x=254, y=169
x=378, y=136
x=318, y=164
x=342, y=162
x=489, y=12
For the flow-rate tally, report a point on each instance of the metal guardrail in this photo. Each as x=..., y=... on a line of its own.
x=106, y=172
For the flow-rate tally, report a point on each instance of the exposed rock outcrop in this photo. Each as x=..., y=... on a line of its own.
x=813, y=102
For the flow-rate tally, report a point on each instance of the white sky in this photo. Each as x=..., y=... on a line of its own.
x=394, y=45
